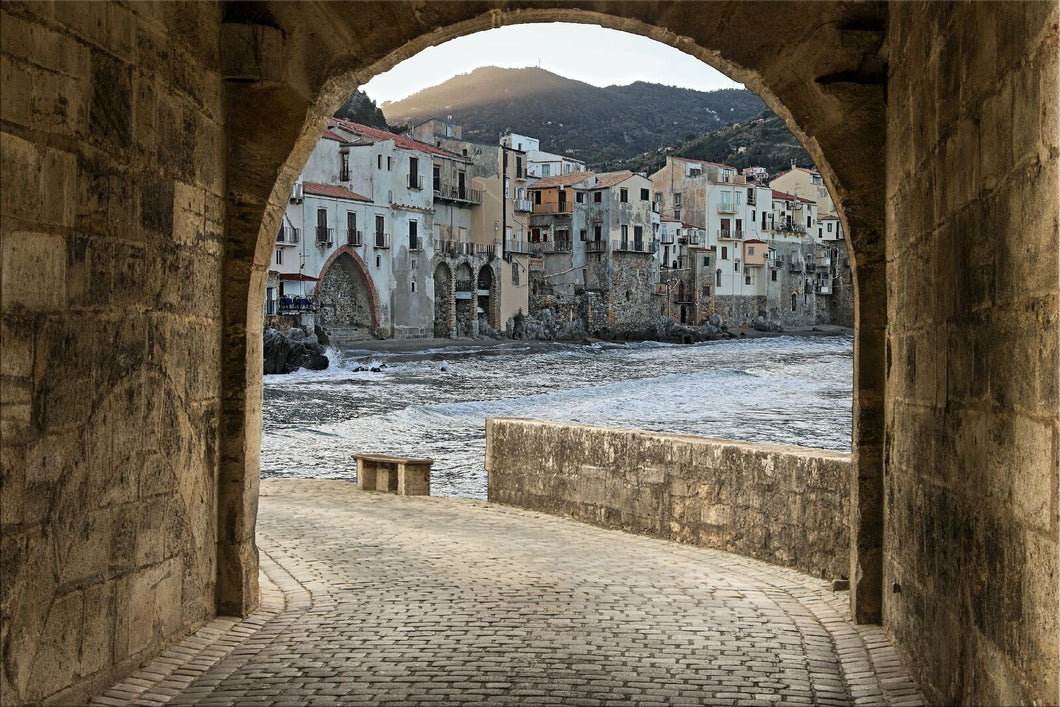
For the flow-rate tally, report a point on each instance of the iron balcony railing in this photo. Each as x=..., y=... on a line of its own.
x=515, y=245
x=724, y=208
x=464, y=285
x=523, y=205
x=485, y=250
x=415, y=181
x=344, y=175
x=667, y=239
x=454, y=192
x=354, y=239
x=688, y=239
x=454, y=248
x=634, y=246
x=289, y=234
x=381, y=240
x=415, y=243
x=325, y=235
x=564, y=208
x=562, y=245
x=730, y=234
x=596, y=246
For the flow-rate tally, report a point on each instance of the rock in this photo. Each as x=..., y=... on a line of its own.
x=322, y=336
x=286, y=353
x=715, y=320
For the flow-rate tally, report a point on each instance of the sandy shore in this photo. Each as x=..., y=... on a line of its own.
x=414, y=345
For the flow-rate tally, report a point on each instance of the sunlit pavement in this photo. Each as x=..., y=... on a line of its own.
x=373, y=598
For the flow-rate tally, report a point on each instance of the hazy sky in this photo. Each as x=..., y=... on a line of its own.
x=602, y=57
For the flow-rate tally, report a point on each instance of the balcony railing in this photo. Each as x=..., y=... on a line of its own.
x=344, y=175
x=724, y=208
x=564, y=208
x=415, y=181
x=689, y=239
x=453, y=192
x=667, y=239
x=523, y=205
x=288, y=235
x=325, y=235
x=730, y=234
x=381, y=240
x=558, y=246
x=354, y=239
x=415, y=243
x=464, y=285
x=596, y=246
x=486, y=250
x=454, y=248
x=515, y=245
x=634, y=246
x=790, y=228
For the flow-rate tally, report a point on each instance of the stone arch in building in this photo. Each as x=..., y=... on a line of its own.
x=444, y=303
x=487, y=306
x=464, y=294
x=345, y=295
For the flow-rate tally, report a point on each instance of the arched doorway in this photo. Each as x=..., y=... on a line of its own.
x=444, y=303
x=345, y=298
x=466, y=318
x=486, y=309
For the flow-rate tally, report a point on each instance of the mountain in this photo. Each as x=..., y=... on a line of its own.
x=597, y=125
x=359, y=108
x=760, y=141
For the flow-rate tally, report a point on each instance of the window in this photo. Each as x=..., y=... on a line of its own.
x=725, y=252
x=378, y=161
x=279, y=257
x=750, y=249
x=388, y=163
x=677, y=200
x=677, y=213
x=537, y=197
x=352, y=236
x=436, y=174
x=413, y=285
x=546, y=170
x=597, y=233
x=644, y=194
x=623, y=195
x=344, y=166
x=598, y=196
x=579, y=197
x=717, y=278
x=794, y=301
x=377, y=261
x=829, y=226
x=736, y=265
x=747, y=279
x=706, y=261
x=518, y=175
x=739, y=198
x=414, y=240
x=414, y=173
x=507, y=189
x=763, y=220
x=625, y=236
x=515, y=274
x=412, y=264
x=638, y=237
x=773, y=275
x=379, y=223
x=584, y=233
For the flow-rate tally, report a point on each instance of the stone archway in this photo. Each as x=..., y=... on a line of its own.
x=444, y=303
x=345, y=295
x=464, y=293
x=487, y=305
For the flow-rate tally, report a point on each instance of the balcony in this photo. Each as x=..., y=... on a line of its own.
x=564, y=208
x=415, y=181
x=596, y=246
x=288, y=236
x=523, y=205
x=688, y=239
x=325, y=235
x=381, y=240
x=790, y=228
x=415, y=243
x=633, y=246
x=354, y=239
x=450, y=192
x=485, y=250
x=454, y=248
x=824, y=288
x=344, y=174
x=667, y=239
x=516, y=245
x=730, y=234
x=823, y=261
x=558, y=246
x=464, y=286
x=724, y=208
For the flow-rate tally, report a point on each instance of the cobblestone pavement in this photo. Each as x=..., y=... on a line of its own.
x=375, y=599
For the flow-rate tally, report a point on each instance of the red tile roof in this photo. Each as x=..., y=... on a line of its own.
x=792, y=197
x=377, y=135
x=560, y=180
x=330, y=135
x=828, y=217
x=669, y=219
x=753, y=240
x=332, y=190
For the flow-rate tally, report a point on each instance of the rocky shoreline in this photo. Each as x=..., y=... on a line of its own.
x=288, y=351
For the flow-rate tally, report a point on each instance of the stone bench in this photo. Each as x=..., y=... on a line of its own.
x=400, y=475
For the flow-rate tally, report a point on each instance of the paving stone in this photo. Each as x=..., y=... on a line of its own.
x=369, y=599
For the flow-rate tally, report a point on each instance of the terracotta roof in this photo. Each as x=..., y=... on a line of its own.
x=715, y=164
x=332, y=190
x=605, y=180
x=828, y=217
x=560, y=180
x=753, y=240
x=330, y=135
x=377, y=135
x=669, y=219
x=785, y=195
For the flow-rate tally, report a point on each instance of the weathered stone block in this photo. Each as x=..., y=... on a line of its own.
x=60, y=645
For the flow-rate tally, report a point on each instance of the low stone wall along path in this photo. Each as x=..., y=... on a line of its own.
x=371, y=598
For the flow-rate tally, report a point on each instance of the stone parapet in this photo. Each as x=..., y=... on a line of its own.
x=781, y=504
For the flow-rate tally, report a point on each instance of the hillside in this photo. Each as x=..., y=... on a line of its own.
x=597, y=125
x=762, y=141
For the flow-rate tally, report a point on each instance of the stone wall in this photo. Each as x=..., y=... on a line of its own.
x=971, y=546
x=785, y=505
x=343, y=297
x=631, y=298
x=112, y=225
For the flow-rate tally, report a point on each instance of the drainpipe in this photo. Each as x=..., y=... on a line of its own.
x=504, y=199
